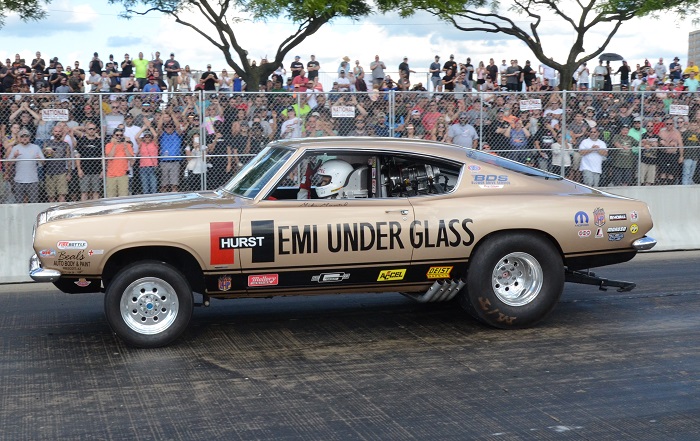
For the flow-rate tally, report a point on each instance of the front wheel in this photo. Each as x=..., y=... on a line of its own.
x=148, y=304
x=514, y=281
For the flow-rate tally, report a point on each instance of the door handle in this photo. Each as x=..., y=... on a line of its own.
x=403, y=212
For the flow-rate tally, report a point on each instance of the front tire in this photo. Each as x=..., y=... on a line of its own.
x=514, y=281
x=148, y=304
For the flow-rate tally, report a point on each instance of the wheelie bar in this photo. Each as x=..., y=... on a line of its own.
x=589, y=278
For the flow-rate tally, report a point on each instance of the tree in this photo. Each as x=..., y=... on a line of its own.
x=581, y=15
x=26, y=9
x=223, y=15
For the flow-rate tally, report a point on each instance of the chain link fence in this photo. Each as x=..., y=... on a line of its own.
x=70, y=147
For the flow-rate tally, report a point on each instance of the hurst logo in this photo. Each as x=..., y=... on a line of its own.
x=223, y=242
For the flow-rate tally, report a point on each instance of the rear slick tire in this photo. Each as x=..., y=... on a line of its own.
x=148, y=304
x=514, y=281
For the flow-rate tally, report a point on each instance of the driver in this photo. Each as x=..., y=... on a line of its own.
x=333, y=175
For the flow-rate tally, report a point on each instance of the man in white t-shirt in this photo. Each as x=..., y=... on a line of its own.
x=583, y=77
x=343, y=82
x=550, y=74
x=27, y=157
x=593, y=152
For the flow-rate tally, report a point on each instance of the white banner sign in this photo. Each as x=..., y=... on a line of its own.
x=343, y=111
x=678, y=109
x=535, y=104
x=54, y=114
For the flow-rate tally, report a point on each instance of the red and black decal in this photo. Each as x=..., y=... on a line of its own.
x=217, y=231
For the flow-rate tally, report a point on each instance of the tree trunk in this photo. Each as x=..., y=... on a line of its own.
x=566, y=77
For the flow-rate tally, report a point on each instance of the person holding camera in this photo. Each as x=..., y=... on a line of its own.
x=119, y=155
x=127, y=71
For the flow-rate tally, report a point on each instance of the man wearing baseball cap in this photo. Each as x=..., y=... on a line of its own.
x=172, y=70
x=675, y=70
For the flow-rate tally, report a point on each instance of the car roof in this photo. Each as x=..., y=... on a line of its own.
x=417, y=146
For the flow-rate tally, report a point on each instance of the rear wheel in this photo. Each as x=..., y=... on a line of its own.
x=148, y=304
x=514, y=280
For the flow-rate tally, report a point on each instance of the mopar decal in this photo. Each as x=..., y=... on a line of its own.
x=581, y=219
x=388, y=275
x=330, y=277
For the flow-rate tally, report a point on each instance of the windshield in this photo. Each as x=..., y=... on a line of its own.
x=510, y=165
x=258, y=172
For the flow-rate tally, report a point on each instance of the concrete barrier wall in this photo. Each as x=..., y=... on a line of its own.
x=675, y=210
x=16, y=240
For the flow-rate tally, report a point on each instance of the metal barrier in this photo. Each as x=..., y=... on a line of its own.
x=70, y=146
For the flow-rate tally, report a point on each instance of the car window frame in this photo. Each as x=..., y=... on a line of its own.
x=318, y=151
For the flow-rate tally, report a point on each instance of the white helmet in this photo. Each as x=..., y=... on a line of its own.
x=334, y=174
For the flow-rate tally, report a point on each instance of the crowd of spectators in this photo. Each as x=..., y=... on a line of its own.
x=140, y=136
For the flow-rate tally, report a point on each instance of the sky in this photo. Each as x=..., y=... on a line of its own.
x=75, y=29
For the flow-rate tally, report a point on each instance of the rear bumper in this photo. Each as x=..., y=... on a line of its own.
x=643, y=244
x=39, y=274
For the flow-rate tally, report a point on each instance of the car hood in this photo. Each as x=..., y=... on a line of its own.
x=154, y=202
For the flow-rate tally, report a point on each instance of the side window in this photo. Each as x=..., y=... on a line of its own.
x=405, y=176
x=330, y=175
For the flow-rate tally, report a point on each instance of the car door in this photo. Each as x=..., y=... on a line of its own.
x=441, y=233
x=326, y=244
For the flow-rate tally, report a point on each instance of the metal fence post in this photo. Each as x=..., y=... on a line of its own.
x=562, y=169
x=103, y=128
x=392, y=112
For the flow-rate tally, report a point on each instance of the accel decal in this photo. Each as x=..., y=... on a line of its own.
x=389, y=275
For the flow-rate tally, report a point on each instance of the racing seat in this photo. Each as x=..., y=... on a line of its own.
x=356, y=184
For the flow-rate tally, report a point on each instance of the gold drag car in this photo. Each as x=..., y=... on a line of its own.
x=343, y=215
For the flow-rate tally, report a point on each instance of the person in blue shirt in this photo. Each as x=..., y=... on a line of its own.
x=170, y=142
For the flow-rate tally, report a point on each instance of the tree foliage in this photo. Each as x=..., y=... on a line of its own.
x=494, y=16
x=222, y=17
x=26, y=9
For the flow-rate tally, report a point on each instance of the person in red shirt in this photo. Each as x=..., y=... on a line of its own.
x=299, y=82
